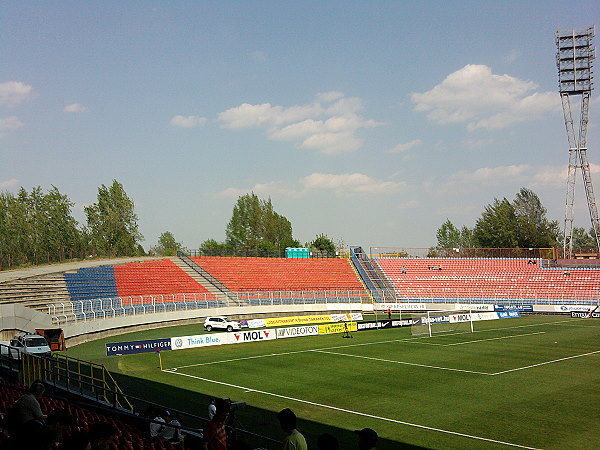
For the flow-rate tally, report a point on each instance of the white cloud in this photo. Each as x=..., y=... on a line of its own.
x=343, y=185
x=10, y=123
x=7, y=184
x=188, y=122
x=328, y=125
x=476, y=96
x=350, y=184
x=75, y=108
x=258, y=56
x=512, y=56
x=13, y=93
x=400, y=148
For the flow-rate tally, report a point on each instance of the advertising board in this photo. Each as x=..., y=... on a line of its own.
x=585, y=315
x=308, y=330
x=200, y=340
x=526, y=308
x=297, y=320
x=332, y=328
x=240, y=337
x=131, y=347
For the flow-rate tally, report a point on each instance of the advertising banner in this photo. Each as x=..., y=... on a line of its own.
x=475, y=306
x=256, y=323
x=308, y=330
x=585, y=315
x=569, y=308
x=484, y=316
x=297, y=320
x=402, y=323
x=401, y=306
x=332, y=328
x=240, y=337
x=508, y=314
x=131, y=347
x=527, y=308
x=373, y=325
x=201, y=340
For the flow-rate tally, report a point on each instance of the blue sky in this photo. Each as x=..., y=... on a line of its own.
x=371, y=122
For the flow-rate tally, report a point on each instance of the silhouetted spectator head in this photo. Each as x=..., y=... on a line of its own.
x=327, y=441
x=102, y=434
x=37, y=388
x=287, y=419
x=78, y=441
x=223, y=407
x=367, y=438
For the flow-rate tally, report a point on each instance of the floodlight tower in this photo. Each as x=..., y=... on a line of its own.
x=574, y=58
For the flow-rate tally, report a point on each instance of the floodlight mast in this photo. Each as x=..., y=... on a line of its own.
x=574, y=58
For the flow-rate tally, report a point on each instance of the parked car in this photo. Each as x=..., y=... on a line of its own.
x=33, y=344
x=220, y=323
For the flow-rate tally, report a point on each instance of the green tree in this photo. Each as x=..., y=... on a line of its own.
x=582, y=239
x=322, y=244
x=497, y=226
x=112, y=222
x=533, y=228
x=448, y=235
x=211, y=247
x=167, y=245
x=256, y=227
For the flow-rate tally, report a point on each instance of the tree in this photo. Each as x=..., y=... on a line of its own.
x=167, y=245
x=211, y=247
x=256, y=227
x=581, y=239
x=448, y=235
x=533, y=228
x=497, y=226
x=322, y=244
x=112, y=222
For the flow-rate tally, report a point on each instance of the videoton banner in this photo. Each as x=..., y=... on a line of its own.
x=128, y=348
x=239, y=337
x=585, y=315
x=201, y=340
x=308, y=330
x=332, y=328
x=297, y=320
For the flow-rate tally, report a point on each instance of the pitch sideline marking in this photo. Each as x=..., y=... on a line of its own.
x=402, y=362
x=371, y=416
x=544, y=363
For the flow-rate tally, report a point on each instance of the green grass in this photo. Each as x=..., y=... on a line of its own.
x=397, y=384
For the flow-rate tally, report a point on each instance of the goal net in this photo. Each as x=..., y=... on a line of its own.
x=434, y=322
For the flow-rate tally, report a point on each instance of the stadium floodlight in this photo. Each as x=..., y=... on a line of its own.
x=574, y=58
x=434, y=322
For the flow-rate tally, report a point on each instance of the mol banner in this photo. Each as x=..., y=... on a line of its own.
x=201, y=340
x=308, y=330
x=131, y=347
x=240, y=337
x=297, y=320
x=333, y=328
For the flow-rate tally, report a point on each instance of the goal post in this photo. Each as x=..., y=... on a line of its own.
x=434, y=322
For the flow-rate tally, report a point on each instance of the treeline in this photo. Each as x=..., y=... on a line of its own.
x=38, y=227
x=521, y=223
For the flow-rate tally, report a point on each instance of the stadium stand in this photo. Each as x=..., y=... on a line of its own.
x=92, y=282
x=276, y=274
x=485, y=279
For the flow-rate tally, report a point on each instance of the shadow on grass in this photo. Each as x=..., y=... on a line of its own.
x=256, y=420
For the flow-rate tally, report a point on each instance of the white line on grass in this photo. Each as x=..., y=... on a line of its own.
x=402, y=362
x=400, y=422
x=544, y=363
x=494, y=339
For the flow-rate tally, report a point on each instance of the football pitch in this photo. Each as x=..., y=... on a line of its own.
x=529, y=382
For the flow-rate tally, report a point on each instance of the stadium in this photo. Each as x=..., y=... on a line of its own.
x=444, y=352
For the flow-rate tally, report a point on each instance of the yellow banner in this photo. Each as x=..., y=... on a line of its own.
x=332, y=328
x=297, y=320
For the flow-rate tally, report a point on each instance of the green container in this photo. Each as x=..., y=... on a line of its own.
x=292, y=252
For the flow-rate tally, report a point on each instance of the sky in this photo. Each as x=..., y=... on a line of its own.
x=372, y=122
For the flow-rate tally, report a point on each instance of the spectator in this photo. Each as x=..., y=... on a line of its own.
x=294, y=439
x=327, y=441
x=215, y=433
x=27, y=407
x=102, y=435
x=212, y=409
x=78, y=441
x=157, y=425
x=367, y=439
x=171, y=431
x=58, y=422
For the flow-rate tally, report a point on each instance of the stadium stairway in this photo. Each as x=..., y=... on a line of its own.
x=35, y=292
x=219, y=290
